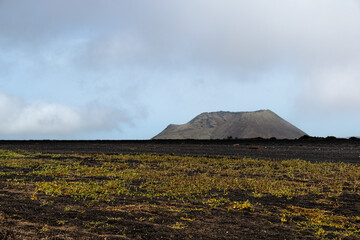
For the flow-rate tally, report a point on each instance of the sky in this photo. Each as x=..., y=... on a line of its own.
x=118, y=69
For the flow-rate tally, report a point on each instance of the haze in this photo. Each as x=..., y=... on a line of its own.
x=87, y=69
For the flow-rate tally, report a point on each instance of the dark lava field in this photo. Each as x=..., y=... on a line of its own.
x=307, y=148
x=180, y=189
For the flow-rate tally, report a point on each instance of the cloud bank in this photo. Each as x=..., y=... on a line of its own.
x=241, y=33
x=317, y=40
x=38, y=119
x=184, y=43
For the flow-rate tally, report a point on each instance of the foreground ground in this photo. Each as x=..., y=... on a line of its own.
x=114, y=196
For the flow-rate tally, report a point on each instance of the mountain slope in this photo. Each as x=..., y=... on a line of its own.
x=220, y=125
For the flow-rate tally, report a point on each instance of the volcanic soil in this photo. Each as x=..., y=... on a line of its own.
x=306, y=148
x=24, y=215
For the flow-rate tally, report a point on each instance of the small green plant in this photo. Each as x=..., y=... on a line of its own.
x=216, y=202
x=74, y=208
x=243, y=206
x=257, y=194
x=44, y=228
x=187, y=219
x=179, y=225
x=97, y=225
x=61, y=222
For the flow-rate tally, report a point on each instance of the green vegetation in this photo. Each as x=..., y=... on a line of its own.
x=196, y=184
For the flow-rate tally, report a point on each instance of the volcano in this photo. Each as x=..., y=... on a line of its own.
x=222, y=125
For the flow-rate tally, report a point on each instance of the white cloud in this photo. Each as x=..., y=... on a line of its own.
x=232, y=34
x=332, y=90
x=135, y=43
x=40, y=119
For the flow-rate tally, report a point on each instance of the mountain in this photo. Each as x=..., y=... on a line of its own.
x=220, y=125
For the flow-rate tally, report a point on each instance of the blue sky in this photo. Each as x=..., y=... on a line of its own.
x=88, y=69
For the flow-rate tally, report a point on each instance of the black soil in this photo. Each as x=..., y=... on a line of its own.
x=309, y=149
x=23, y=218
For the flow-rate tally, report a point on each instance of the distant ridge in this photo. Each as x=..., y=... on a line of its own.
x=220, y=125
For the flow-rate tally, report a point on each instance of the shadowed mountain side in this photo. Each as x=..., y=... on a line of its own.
x=220, y=125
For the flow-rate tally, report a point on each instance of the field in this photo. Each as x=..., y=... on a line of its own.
x=152, y=196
